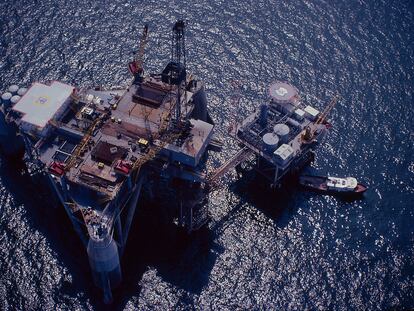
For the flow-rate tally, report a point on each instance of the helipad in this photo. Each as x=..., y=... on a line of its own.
x=43, y=103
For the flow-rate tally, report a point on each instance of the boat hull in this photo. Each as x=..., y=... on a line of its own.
x=319, y=184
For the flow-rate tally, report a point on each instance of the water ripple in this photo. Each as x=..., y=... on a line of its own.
x=295, y=251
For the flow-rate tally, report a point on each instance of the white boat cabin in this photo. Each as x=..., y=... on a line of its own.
x=342, y=184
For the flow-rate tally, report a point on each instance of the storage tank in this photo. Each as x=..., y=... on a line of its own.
x=13, y=89
x=283, y=93
x=14, y=99
x=281, y=130
x=294, y=123
x=5, y=98
x=270, y=142
x=21, y=91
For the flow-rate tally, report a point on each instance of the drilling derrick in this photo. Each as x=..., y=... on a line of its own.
x=175, y=72
x=178, y=56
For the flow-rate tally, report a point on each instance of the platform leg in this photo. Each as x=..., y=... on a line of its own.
x=107, y=293
x=105, y=264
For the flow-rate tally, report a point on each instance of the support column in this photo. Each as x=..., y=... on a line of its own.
x=276, y=174
x=104, y=261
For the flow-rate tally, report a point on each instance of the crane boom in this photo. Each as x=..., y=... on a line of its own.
x=83, y=144
x=327, y=110
x=310, y=130
x=136, y=66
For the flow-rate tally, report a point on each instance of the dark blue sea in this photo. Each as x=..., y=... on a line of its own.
x=289, y=250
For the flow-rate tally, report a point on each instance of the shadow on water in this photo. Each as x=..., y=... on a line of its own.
x=276, y=204
x=179, y=258
x=43, y=214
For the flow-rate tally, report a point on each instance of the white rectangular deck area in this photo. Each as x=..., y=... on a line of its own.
x=42, y=103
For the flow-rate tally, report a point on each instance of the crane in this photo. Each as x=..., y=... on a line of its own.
x=178, y=56
x=146, y=112
x=84, y=143
x=322, y=117
x=309, y=132
x=136, y=66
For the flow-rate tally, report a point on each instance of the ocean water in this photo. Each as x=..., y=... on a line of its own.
x=262, y=250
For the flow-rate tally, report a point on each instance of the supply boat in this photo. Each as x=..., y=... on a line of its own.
x=332, y=185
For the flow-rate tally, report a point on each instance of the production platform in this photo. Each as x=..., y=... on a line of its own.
x=279, y=139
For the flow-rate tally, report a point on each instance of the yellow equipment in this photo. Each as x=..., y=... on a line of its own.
x=143, y=142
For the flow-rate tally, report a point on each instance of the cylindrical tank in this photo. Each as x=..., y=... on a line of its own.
x=14, y=99
x=264, y=109
x=5, y=98
x=104, y=261
x=21, y=91
x=13, y=89
x=270, y=142
x=292, y=122
x=281, y=130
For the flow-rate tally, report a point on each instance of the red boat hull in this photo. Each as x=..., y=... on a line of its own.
x=319, y=184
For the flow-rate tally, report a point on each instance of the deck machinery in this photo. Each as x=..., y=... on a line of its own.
x=281, y=136
x=98, y=148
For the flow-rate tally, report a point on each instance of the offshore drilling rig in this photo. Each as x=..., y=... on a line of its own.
x=97, y=148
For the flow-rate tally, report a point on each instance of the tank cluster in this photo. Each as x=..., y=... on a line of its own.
x=280, y=134
x=8, y=130
x=12, y=95
x=284, y=99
